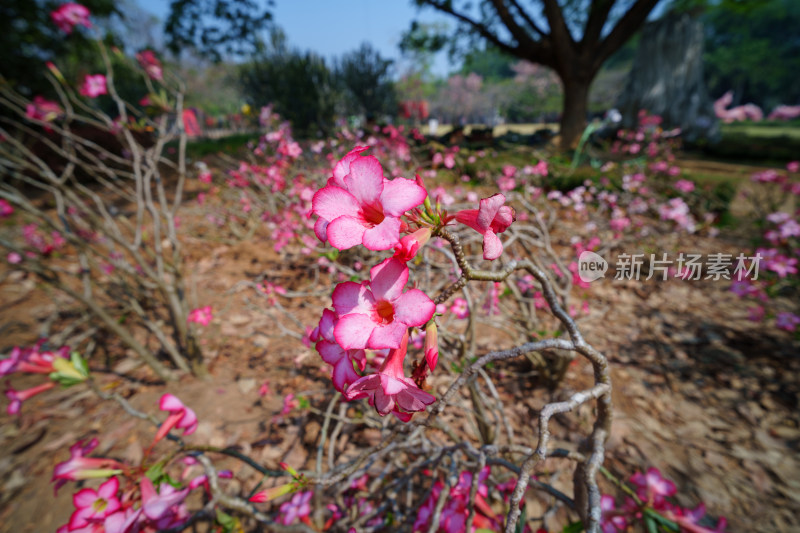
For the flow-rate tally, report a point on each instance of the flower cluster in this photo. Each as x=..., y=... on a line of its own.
x=131, y=498
x=60, y=366
x=359, y=206
x=648, y=502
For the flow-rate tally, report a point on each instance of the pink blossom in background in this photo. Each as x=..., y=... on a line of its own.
x=651, y=487
x=152, y=66
x=684, y=186
x=611, y=521
x=793, y=166
x=43, y=109
x=375, y=315
x=296, y=509
x=180, y=417
x=69, y=15
x=202, y=316
x=14, y=258
x=6, y=209
x=460, y=308
x=16, y=397
x=94, y=86
x=787, y=321
x=490, y=219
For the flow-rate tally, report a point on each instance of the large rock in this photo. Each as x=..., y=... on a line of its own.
x=667, y=79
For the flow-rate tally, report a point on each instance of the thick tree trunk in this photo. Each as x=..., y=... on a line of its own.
x=573, y=117
x=667, y=79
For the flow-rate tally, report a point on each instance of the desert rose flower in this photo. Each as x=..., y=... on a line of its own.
x=202, y=316
x=94, y=86
x=367, y=209
x=340, y=359
x=69, y=15
x=378, y=316
x=91, y=505
x=151, y=65
x=490, y=219
x=390, y=390
x=180, y=416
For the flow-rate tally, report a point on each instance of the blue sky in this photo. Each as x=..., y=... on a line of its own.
x=332, y=27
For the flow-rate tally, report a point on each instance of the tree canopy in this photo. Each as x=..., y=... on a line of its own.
x=572, y=37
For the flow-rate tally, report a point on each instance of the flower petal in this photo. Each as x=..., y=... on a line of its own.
x=413, y=308
x=488, y=209
x=365, y=180
x=386, y=336
x=321, y=229
x=345, y=232
x=387, y=279
x=353, y=331
x=342, y=168
x=363, y=387
x=400, y=195
x=351, y=297
x=168, y=402
x=331, y=203
x=330, y=352
x=492, y=247
x=383, y=236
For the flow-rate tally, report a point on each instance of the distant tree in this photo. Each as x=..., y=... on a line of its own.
x=753, y=49
x=298, y=84
x=572, y=37
x=366, y=83
x=489, y=63
x=217, y=27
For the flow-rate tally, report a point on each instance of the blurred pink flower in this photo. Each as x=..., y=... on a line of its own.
x=69, y=15
x=94, y=86
x=202, y=316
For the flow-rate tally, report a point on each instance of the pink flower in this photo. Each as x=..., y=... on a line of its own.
x=158, y=505
x=491, y=218
x=296, y=508
x=360, y=206
x=787, y=321
x=793, y=166
x=81, y=467
x=202, y=316
x=684, y=186
x=94, y=86
x=14, y=258
x=377, y=317
x=180, y=416
x=93, y=504
x=43, y=109
x=340, y=359
x=652, y=487
x=16, y=397
x=460, y=308
x=6, y=210
x=389, y=390
x=611, y=521
x=69, y=15
x=151, y=65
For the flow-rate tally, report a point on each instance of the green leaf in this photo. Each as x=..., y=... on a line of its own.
x=574, y=527
x=523, y=518
x=227, y=522
x=665, y=522
x=651, y=525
